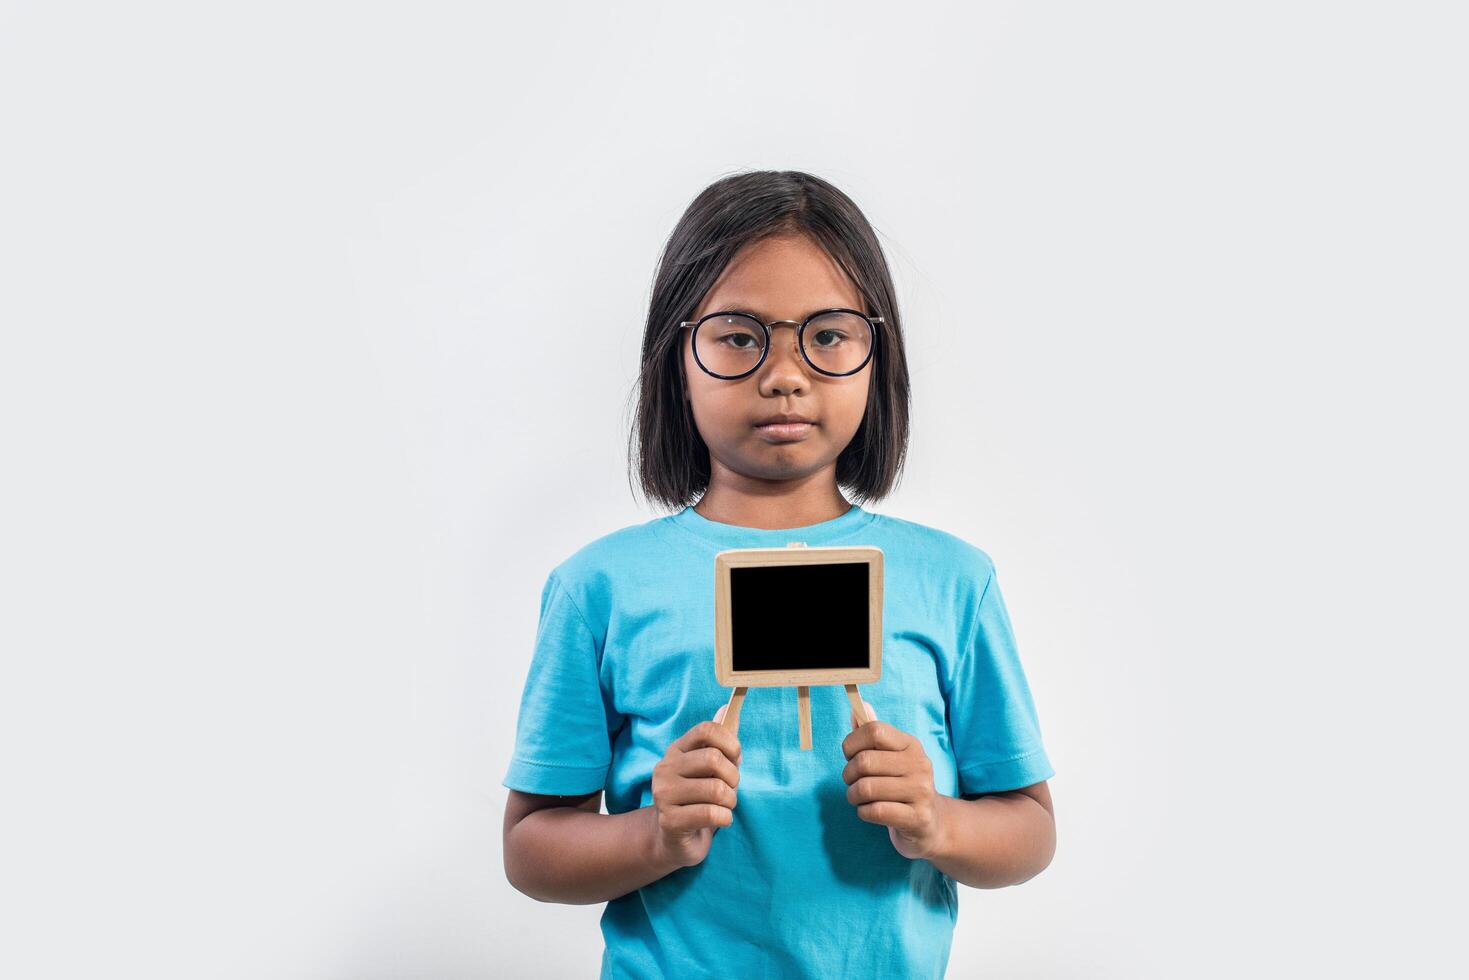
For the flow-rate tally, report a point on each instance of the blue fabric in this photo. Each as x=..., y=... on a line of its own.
x=798, y=885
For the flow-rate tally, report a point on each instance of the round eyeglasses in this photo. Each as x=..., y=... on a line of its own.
x=729, y=344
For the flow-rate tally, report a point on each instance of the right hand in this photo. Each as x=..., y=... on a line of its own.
x=694, y=790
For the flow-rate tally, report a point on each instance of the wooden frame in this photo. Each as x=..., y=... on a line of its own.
x=800, y=678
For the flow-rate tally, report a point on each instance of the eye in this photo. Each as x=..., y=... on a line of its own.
x=738, y=340
x=828, y=338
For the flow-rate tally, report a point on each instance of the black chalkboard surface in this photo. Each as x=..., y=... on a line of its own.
x=800, y=617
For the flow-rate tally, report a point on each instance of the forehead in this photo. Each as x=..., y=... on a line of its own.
x=787, y=277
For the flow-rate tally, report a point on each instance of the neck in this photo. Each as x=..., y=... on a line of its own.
x=770, y=505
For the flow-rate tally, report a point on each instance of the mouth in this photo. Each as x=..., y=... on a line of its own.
x=785, y=431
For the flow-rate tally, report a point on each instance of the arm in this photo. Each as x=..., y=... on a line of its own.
x=996, y=839
x=564, y=849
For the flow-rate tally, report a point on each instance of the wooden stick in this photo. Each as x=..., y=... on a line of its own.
x=803, y=707
x=858, y=711
x=731, y=718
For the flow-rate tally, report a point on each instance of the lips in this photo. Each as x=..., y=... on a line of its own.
x=784, y=430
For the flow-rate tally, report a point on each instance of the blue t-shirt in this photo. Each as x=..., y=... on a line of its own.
x=798, y=885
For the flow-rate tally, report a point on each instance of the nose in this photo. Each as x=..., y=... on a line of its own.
x=784, y=369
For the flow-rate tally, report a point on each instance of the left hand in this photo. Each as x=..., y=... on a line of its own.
x=890, y=780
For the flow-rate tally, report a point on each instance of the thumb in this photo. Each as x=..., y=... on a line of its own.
x=871, y=715
x=719, y=715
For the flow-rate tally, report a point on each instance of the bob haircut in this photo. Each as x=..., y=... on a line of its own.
x=669, y=455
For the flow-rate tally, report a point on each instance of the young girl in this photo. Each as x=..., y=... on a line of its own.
x=773, y=377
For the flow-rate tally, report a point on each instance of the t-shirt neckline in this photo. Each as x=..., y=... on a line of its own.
x=738, y=536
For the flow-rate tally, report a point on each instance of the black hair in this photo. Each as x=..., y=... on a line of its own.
x=665, y=449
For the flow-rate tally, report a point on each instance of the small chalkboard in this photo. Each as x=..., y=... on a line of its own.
x=797, y=617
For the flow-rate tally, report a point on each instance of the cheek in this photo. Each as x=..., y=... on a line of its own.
x=714, y=409
x=852, y=406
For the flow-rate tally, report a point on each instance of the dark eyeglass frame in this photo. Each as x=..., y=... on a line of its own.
x=872, y=322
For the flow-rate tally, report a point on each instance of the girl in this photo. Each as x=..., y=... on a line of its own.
x=773, y=377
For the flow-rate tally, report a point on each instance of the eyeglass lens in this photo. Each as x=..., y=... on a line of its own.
x=731, y=343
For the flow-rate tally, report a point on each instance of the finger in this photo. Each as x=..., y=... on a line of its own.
x=873, y=789
x=695, y=816
x=875, y=762
x=707, y=761
x=899, y=816
x=711, y=789
x=875, y=735
x=711, y=733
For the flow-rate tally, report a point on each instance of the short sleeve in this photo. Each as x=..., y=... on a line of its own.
x=563, y=735
x=993, y=725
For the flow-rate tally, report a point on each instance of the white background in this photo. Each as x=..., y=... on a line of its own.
x=320, y=327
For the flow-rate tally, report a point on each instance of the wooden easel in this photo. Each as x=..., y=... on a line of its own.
x=731, y=718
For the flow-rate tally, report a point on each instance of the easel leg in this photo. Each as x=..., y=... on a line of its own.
x=731, y=718
x=858, y=711
x=803, y=706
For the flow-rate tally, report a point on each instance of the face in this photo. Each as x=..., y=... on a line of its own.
x=783, y=278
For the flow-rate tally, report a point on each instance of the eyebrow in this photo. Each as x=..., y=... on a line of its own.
x=734, y=307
